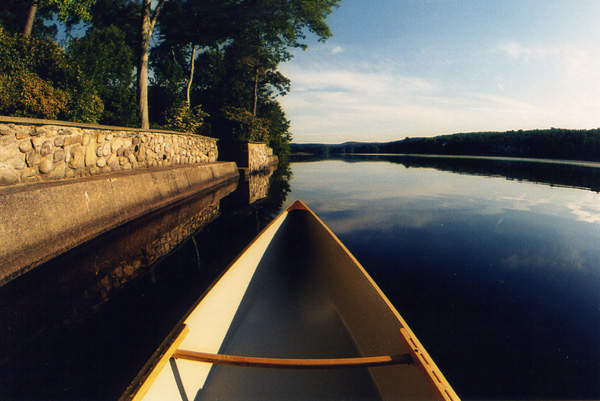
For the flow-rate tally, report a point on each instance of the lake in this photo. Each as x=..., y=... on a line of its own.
x=500, y=279
x=495, y=265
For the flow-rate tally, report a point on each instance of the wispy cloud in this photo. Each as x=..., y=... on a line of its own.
x=517, y=50
x=566, y=57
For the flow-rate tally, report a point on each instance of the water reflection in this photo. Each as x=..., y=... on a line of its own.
x=87, y=277
x=500, y=279
x=556, y=173
x=256, y=186
x=84, y=324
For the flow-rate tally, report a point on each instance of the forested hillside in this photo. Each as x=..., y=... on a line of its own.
x=553, y=143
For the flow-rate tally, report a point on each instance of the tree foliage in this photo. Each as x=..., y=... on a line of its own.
x=108, y=62
x=181, y=117
x=39, y=80
x=243, y=125
x=221, y=54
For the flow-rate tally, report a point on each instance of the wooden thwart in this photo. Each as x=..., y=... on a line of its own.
x=283, y=363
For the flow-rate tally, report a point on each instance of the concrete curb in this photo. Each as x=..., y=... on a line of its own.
x=40, y=221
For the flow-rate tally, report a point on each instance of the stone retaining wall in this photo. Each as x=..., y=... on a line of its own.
x=40, y=221
x=260, y=157
x=38, y=150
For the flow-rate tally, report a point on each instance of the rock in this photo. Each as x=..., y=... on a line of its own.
x=101, y=162
x=116, y=144
x=90, y=156
x=131, y=158
x=59, y=155
x=106, y=149
x=5, y=131
x=105, y=170
x=120, y=151
x=46, y=165
x=59, y=141
x=112, y=159
x=59, y=171
x=32, y=158
x=22, y=135
x=85, y=139
x=7, y=140
x=77, y=157
x=26, y=146
x=8, y=176
x=100, y=138
x=47, y=148
x=9, y=152
x=30, y=175
x=37, y=143
x=18, y=163
x=94, y=171
x=135, y=141
x=70, y=140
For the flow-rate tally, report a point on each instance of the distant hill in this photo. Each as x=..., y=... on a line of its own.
x=554, y=143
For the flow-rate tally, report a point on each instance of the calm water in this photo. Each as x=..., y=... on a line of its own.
x=499, y=279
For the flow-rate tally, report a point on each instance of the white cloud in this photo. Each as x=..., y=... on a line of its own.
x=517, y=50
x=585, y=210
x=342, y=93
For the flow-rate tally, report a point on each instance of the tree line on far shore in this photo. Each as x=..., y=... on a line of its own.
x=203, y=66
x=554, y=143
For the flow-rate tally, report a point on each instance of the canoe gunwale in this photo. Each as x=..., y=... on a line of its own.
x=140, y=385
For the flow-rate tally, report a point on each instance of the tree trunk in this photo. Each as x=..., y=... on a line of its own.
x=30, y=18
x=255, y=92
x=189, y=84
x=148, y=21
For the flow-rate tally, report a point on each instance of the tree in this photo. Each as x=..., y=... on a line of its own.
x=65, y=8
x=148, y=18
x=268, y=28
x=187, y=29
x=108, y=63
x=37, y=79
x=278, y=126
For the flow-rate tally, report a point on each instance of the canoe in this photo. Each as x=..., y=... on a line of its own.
x=294, y=317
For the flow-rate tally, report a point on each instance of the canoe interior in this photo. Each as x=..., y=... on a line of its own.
x=309, y=299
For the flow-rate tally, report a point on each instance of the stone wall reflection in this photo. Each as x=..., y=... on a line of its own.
x=258, y=185
x=79, y=282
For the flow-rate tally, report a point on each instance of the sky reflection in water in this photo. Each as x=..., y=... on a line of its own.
x=499, y=279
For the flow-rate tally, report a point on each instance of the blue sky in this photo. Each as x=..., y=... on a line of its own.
x=408, y=68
